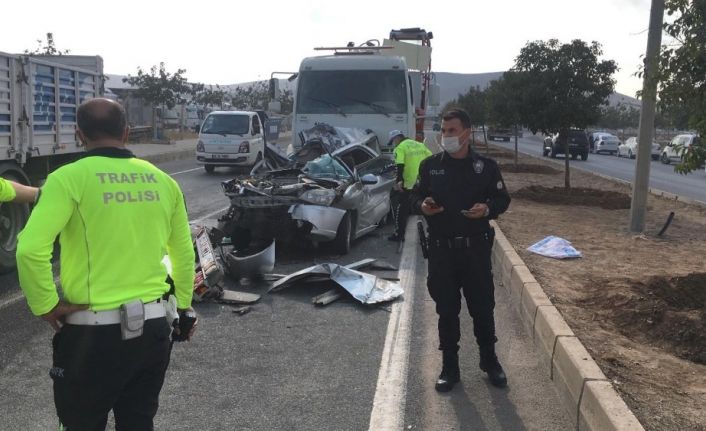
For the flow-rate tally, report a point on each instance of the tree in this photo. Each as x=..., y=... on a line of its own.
x=48, y=49
x=619, y=117
x=286, y=100
x=682, y=86
x=251, y=97
x=563, y=86
x=160, y=88
x=208, y=96
x=503, y=102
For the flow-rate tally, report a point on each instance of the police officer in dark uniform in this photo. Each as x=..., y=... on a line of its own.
x=458, y=192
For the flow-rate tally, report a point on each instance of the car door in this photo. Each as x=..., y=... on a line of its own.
x=355, y=158
x=379, y=193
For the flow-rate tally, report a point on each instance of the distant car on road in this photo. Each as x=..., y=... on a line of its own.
x=577, y=140
x=605, y=143
x=499, y=133
x=629, y=149
x=681, y=143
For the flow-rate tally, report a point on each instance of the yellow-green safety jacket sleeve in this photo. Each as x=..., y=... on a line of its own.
x=35, y=245
x=7, y=191
x=181, y=253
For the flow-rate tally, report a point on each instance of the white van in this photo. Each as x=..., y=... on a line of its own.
x=230, y=138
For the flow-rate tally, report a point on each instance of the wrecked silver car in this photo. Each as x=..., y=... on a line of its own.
x=335, y=187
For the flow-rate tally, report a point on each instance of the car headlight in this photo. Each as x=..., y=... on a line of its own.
x=200, y=148
x=319, y=196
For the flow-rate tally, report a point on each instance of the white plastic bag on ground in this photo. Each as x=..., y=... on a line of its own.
x=555, y=247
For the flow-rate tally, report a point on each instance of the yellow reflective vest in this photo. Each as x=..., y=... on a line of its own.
x=410, y=153
x=116, y=217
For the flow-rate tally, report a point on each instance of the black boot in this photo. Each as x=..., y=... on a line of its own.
x=450, y=374
x=490, y=364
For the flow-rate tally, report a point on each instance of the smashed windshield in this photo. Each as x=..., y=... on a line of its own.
x=325, y=167
x=352, y=92
x=226, y=125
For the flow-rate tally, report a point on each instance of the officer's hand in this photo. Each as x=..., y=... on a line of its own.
x=57, y=316
x=398, y=186
x=430, y=208
x=477, y=211
x=187, y=323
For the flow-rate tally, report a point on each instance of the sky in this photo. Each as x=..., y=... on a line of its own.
x=228, y=42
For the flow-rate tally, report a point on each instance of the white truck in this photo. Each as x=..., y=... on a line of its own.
x=39, y=96
x=377, y=88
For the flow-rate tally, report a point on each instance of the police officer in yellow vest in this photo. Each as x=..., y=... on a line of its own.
x=11, y=191
x=408, y=156
x=117, y=216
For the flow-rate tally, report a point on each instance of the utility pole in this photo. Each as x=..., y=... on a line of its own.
x=638, y=206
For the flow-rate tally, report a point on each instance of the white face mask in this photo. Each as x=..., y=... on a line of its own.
x=450, y=144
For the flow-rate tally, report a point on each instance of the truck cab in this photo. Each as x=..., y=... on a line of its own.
x=366, y=91
x=230, y=138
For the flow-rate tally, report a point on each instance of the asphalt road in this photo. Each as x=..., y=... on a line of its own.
x=662, y=177
x=288, y=365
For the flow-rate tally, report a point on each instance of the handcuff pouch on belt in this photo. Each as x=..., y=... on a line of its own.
x=132, y=319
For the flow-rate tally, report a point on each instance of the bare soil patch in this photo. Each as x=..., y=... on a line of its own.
x=637, y=302
x=607, y=199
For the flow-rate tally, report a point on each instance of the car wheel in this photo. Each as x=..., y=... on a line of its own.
x=209, y=168
x=344, y=234
x=664, y=159
x=630, y=155
x=584, y=156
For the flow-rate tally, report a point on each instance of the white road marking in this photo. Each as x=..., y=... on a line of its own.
x=391, y=392
x=209, y=215
x=11, y=300
x=183, y=172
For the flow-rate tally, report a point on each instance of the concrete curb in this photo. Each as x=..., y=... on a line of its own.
x=585, y=391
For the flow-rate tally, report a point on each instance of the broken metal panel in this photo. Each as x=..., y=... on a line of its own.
x=255, y=264
x=325, y=220
x=366, y=288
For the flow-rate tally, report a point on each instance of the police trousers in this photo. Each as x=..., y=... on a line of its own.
x=467, y=269
x=401, y=206
x=95, y=371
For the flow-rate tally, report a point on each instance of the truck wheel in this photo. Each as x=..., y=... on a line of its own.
x=342, y=242
x=573, y=156
x=209, y=168
x=13, y=218
x=584, y=156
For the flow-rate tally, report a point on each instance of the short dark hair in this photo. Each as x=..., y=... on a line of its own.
x=99, y=121
x=460, y=114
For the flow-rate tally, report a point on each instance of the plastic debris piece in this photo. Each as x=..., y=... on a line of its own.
x=555, y=247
